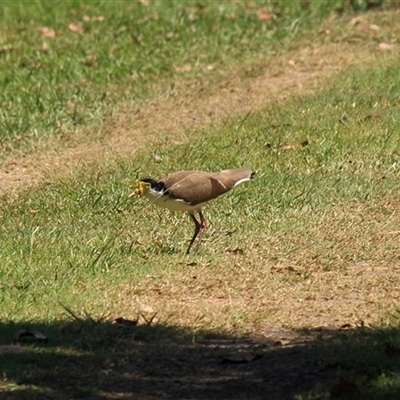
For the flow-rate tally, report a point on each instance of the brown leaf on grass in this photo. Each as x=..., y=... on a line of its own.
x=241, y=358
x=385, y=46
x=344, y=388
x=191, y=264
x=77, y=28
x=6, y=49
x=47, y=32
x=370, y=117
x=93, y=19
x=14, y=349
x=90, y=60
x=25, y=333
x=282, y=267
x=281, y=342
x=295, y=146
x=264, y=15
x=372, y=27
x=356, y=20
x=236, y=250
x=183, y=68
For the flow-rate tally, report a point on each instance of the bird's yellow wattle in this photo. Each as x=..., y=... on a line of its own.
x=140, y=190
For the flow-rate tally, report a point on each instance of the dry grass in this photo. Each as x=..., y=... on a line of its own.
x=324, y=281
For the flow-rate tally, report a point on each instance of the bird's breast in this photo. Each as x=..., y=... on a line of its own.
x=164, y=200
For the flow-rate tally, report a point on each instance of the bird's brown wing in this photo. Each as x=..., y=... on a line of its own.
x=194, y=187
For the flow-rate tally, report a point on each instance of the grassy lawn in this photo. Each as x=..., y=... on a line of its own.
x=65, y=66
x=295, y=291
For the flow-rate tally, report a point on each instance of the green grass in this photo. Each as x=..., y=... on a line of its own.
x=51, y=86
x=71, y=234
x=327, y=210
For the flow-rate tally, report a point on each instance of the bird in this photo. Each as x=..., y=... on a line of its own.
x=188, y=191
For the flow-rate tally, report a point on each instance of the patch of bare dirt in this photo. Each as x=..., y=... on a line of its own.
x=173, y=111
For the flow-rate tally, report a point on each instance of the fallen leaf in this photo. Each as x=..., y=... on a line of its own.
x=90, y=59
x=77, y=28
x=184, y=68
x=236, y=250
x=372, y=117
x=301, y=145
x=191, y=264
x=241, y=358
x=356, y=20
x=385, y=46
x=24, y=333
x=93, y=19
x=373, y=27
x=6, y=49
x=47, y=32
x=157, y=158
x=281, y=342
x=343, y=388
x=282, y=267
x=264, y=15
x=39, y=336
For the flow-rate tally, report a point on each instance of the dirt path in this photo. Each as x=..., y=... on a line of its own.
x=172, y=112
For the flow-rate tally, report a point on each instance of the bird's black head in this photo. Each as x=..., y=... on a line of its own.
x=147, y=183
x=151, y=183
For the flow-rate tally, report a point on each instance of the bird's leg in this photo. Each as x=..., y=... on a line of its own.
x=202, y=228
x=196, y=231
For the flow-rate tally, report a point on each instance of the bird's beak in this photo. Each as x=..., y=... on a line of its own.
x=140, y=190
x=134, y=194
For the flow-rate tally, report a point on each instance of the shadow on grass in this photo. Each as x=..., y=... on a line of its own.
x=105, y=360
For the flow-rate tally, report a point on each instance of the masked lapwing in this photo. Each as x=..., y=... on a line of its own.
x=189, y=190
